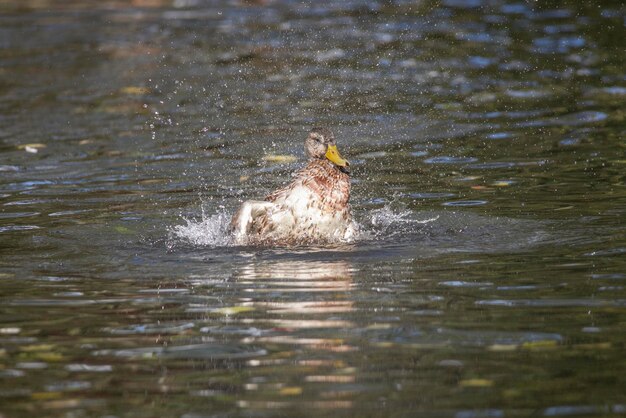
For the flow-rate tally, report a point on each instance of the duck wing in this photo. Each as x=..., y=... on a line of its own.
x=244, y=220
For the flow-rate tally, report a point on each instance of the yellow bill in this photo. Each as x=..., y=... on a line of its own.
x=333, y=156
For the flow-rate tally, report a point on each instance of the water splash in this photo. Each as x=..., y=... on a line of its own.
x=387, y=222
x=379, y=224
x=208, y=231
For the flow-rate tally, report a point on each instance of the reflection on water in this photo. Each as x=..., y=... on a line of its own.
x=301, y=326
x=294, y=276
x=486, y=140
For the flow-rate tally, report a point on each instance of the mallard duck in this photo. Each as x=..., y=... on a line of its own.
x=312, y=208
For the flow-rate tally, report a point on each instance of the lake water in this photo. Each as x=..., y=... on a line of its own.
x=487, y=146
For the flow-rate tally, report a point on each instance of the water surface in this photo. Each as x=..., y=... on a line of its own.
x=487, y=146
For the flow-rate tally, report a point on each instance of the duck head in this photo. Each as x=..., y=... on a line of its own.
x=321, y=144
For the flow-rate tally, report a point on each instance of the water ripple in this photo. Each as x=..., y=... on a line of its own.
x=466, y=203
x=11, y=215
x=17, y=228
x=554, y=303
x=151, y=329
x=450, y=160
x=567, y=410
x=206, y=351
x=90, y=368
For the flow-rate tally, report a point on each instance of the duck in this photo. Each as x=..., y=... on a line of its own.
x=313, y=208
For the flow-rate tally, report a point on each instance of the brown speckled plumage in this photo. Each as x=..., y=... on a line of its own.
x=329, y=184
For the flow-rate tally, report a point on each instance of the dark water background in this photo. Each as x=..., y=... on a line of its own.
x=487, y=140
